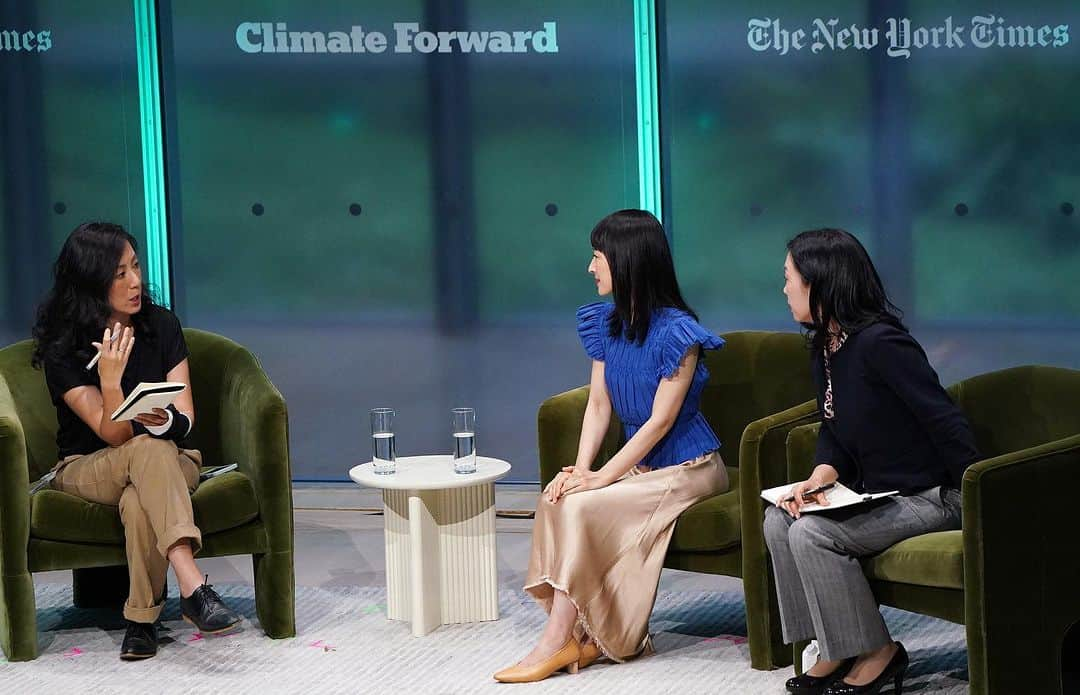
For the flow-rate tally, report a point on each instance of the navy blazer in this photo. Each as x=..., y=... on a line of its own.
x=895, y=427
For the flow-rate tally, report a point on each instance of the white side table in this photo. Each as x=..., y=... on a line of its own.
x=440, y=540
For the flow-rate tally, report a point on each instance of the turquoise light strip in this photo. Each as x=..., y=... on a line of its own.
x=153, y=160
x=648, y=107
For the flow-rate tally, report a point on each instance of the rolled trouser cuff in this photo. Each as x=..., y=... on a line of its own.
x=177, y=533
x=142, y=615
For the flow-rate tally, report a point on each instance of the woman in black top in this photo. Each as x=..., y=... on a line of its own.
x=99, y=303
x=887, y=425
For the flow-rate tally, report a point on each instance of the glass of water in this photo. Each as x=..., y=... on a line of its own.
x=463, y=424
x=383, y=451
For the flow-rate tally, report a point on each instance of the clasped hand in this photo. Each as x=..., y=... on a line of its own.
x=570, y=480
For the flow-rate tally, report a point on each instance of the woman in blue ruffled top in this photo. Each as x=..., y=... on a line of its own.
x=600, y=537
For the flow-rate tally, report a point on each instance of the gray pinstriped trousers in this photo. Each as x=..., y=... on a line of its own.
x=820, y=584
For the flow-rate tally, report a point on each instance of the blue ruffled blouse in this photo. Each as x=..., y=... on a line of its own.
x=633, y=372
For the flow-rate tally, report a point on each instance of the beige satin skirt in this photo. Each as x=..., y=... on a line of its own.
x=605, y=548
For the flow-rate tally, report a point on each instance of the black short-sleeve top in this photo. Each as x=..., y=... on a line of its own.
x=159, y=346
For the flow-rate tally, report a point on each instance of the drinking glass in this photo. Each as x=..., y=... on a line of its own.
x=463, y=424
x=383, y=449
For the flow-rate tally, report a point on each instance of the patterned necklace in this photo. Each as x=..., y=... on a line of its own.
x=830, y=411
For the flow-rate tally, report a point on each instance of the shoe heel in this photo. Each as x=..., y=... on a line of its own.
x=572, y=668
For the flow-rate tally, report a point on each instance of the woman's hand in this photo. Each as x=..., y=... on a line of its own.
x=554, y=488
x=794, y=507
x=156, y=419
x=115, y=348
x=580, y=480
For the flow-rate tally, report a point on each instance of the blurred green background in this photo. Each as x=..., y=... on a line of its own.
x=412, y=231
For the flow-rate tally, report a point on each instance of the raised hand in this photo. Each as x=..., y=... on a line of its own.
x=115, y=348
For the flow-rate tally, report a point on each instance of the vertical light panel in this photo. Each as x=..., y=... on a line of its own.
x=153, y=161
x=648, y=108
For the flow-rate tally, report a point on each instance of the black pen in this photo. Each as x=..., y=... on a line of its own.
x=811, y=493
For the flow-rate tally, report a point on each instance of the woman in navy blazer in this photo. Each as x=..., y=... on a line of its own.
x=887, y=424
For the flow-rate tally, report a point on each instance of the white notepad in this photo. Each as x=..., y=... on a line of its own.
x=839, y=496
x=147, y=396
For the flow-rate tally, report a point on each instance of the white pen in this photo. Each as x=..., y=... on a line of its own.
x=97, y=357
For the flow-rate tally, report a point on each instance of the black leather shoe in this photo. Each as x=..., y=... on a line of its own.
x=806, y=684
x=893, y=671
x=205, y=610
x=140, y=641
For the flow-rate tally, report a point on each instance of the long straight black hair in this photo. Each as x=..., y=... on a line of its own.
x=844, y=284
x=76, y=309
x=642, y=272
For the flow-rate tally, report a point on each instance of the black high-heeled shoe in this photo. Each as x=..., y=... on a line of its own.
x=805, y=684
x=893, y=671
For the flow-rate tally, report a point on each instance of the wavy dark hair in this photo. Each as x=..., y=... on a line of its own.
x=76, y=309
x=642, y=272
x=844, y=284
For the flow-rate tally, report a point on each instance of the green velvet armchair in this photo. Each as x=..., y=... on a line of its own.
x=1010, y=576
x=754, y=375
x=241, y=418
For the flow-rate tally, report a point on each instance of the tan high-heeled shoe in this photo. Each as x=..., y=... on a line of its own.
x=589, y=653
x=567, y=657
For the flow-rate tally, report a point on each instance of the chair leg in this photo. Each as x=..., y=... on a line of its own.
x=796, y=654
x=100, y=587
x=275, y=593
x=18, y=618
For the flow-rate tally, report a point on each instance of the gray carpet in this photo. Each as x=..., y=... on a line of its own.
x=346, y=645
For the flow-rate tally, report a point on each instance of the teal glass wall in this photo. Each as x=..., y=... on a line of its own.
x=398, y=229
x=69, y=138
x=957, y=167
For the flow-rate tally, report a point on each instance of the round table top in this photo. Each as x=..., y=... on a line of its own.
x=429, y=473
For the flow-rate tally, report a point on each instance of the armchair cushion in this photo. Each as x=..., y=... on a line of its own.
x=220, y=503
x=712, y=524
x=932, y=559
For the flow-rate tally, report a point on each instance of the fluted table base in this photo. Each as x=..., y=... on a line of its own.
x=440, y=556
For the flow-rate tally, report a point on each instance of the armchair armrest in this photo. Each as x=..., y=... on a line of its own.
x=801, y=445
x=18, y=622
x=558, y=427
x=14, y=489
x=763, y=450
x=986, y=481
x=1020, y=559
x=762, y=464
x=763, y=453
x=255, y=434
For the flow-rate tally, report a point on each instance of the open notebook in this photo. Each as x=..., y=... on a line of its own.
x=147, y=396
x=839, y=496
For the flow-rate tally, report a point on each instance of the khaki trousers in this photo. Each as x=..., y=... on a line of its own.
x=151, y=480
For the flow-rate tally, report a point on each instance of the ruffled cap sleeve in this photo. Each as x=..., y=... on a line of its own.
x=683, y=333
x=592, y=328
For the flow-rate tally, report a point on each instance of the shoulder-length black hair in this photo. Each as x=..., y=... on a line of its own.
x=844, y=284
x=76, y=309
x=642, y=272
